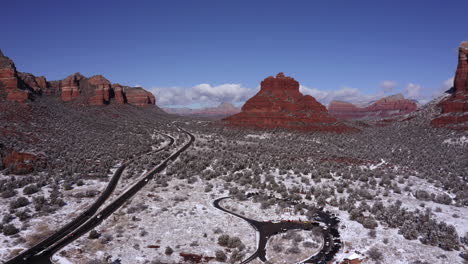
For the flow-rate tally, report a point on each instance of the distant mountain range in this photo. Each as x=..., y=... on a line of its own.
x=393, y=105
x=221, y=111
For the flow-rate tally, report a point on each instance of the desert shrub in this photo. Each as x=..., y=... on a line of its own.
x=30, y=189
x=374, y=254
x=9, y=193
x=19, y=202
x=220, y=256
x=9, y=230
x=168, y=251
x=94, y=234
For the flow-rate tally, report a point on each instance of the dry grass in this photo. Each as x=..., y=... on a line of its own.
x=42, y=231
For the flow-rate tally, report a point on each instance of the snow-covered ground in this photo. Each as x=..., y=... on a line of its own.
x=180, y=216
x=457, y=141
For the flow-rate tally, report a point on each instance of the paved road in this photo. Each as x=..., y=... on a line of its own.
x=327, y=222
x=42, y=252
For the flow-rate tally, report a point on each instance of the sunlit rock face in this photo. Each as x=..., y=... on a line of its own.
x=11, y=86
x=454, y=109
x=280, y=104
x=96, y=90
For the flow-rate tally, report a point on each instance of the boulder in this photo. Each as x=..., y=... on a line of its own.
x=280, y=104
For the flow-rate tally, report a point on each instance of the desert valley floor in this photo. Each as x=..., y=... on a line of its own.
x=398, y=189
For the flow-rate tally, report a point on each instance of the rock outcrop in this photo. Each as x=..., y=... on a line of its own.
x=389, y=106
x=11, y=87
x=119, y=93
x=102, y=90
x=96, y=90
x=20, y=163
x=139, y=96
x=454, y=109
x=279, y=104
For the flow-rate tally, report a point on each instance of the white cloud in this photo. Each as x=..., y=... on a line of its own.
x=347, y=94
x=413, y=91
x=388, y=86
x=207, y=94
x=447, y=84
x=202, y=94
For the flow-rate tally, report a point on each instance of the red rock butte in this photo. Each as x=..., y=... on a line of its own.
x=280, y=104
x=389, y=106
x=454, y=109
x=96, y=90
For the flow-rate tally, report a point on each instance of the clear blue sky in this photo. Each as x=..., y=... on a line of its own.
x=323, y=44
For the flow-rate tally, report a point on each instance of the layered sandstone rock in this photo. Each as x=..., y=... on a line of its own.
x=279, y=104
x=11, y=87
x=102, y=90
x=20, y=163
x=139, y=96
x=386, y=107
x=96, y=90
x=37, y=83
x=454, y=109
x=70, y=87
x=119, y=93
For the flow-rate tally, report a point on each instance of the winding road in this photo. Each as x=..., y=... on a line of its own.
x=327, y=222
x=90, y=218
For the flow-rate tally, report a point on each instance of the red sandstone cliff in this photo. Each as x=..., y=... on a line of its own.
x=11, y=86
x=279, y=104
x=386, y=107
x=454, y=109
x=96, y=90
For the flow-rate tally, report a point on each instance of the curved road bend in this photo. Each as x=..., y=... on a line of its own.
x=44, y=256
x=28, y=256
x=265, y=230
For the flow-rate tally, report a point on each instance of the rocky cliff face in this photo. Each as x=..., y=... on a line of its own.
x=139, y=96
x=279, y=104
x=454, y=109
x=11, y=86
x=386, y=107
x=96, y=90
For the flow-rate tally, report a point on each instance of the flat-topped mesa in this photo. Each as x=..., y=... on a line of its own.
x=393, y=105
x=280, y=104
x=454, y=109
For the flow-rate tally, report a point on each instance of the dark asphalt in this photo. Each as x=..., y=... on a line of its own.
x=331, y=236
x=42, y=252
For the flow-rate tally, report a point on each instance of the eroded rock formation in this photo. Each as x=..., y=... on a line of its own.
x=139, y=96
x=386, y=107
x=11, y=87
x=454, y=109
x=279, y=104
x=96, y=90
